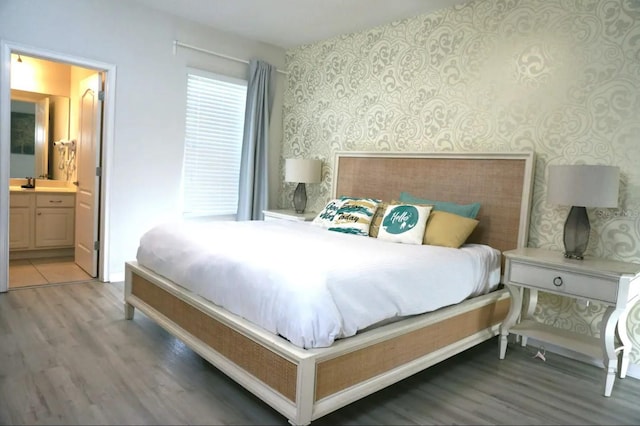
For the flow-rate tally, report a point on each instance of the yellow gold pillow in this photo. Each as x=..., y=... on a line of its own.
x=448, y=229
x=377, y=220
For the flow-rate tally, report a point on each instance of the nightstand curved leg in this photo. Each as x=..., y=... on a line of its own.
x=530, y=298
x=511, y=318
x=608, y=331
x=626, y=342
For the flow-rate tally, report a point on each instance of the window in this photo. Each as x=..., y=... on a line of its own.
x=213, y=144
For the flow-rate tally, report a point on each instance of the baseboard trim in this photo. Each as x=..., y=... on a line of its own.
x=633, y=371
x=41, y=253
x=115, y=277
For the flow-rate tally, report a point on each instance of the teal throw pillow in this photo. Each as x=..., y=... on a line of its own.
x=466, y=210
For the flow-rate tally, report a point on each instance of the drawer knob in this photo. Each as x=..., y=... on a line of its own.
x=557, y=281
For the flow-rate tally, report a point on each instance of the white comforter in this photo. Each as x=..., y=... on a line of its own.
x=311, y=285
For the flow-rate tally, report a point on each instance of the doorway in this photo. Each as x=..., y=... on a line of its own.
x=58, y=263
x=47, y=106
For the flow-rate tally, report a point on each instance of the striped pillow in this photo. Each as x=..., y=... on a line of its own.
x=325, y=217
x=354, y=216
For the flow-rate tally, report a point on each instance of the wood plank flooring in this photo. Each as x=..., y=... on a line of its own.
x=67, y=356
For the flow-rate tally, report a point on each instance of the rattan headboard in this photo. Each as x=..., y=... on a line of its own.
x=500, y=182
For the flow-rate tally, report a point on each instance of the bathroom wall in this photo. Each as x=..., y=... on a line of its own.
x=40, y=76
x=561, y=78
x=43, y=78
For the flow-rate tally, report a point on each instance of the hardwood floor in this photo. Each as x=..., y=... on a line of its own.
x=67, y=356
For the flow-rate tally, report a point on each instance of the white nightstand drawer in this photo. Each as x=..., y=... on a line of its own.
x=561, y=281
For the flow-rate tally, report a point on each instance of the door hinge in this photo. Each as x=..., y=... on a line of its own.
x=101, y=95
x=99, y=171
x=96, y=245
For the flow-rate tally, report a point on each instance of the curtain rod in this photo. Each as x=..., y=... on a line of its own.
x=177, y=44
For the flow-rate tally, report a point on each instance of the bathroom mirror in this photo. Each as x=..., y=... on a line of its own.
x=37, y=121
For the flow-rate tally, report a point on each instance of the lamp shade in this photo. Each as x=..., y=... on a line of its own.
x=584, y=185
x=302, y=170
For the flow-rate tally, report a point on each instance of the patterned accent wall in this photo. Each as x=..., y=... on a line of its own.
x=561, y=78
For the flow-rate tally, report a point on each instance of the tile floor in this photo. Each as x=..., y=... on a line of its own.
x=34, y=272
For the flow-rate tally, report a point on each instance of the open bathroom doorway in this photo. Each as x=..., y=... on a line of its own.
x=61, y=223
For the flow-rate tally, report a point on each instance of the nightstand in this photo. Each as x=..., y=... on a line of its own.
x=612, y=283
x=288, y=214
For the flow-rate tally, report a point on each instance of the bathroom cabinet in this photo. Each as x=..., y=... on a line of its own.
x=20, y=218
x=41, y=220
x=54, y=224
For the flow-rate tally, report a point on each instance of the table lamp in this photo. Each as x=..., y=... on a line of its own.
x=302, y=171
x=581, y=186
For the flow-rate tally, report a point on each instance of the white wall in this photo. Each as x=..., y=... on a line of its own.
x=150, y=96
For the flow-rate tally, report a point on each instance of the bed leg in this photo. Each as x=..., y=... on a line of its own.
x=129, y=310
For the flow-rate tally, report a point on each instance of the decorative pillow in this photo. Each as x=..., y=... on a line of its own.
x=466, y=210
x=354, y=216
x=377, y=219
x=327, y=214
x=404, y=223
x=448, y=229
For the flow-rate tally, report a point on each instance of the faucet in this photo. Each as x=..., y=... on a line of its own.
x=31, y=182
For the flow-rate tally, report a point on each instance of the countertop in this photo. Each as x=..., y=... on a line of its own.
x=40, y=189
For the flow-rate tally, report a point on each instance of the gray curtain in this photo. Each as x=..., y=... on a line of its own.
x=253, y=190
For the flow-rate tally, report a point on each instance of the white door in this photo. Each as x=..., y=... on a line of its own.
x=88, y=161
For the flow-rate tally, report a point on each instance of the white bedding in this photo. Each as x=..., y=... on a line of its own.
x=311, y=285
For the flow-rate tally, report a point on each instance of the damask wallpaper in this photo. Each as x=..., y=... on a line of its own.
x=561, y=78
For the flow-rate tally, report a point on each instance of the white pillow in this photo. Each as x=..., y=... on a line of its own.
x=354, y=216
x=404, y=223
x=328, y=213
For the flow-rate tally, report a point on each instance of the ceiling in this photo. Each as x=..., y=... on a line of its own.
x=290, y=23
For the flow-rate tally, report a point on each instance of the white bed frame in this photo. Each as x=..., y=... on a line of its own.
x=305, y=384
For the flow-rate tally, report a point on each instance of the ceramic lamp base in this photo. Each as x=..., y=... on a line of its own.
x=576, y=233
x=300, y=198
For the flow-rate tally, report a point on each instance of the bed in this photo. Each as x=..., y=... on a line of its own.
x=305, y=384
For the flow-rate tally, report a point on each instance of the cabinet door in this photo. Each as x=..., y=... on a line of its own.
x=19, y=227
x=54, y=227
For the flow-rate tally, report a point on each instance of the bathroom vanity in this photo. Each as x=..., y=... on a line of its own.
x=41, y=219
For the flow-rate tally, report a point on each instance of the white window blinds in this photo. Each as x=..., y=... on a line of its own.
x=213, y=143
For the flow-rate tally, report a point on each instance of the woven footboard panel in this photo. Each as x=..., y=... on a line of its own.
x=270, y=368
x=355, y=367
